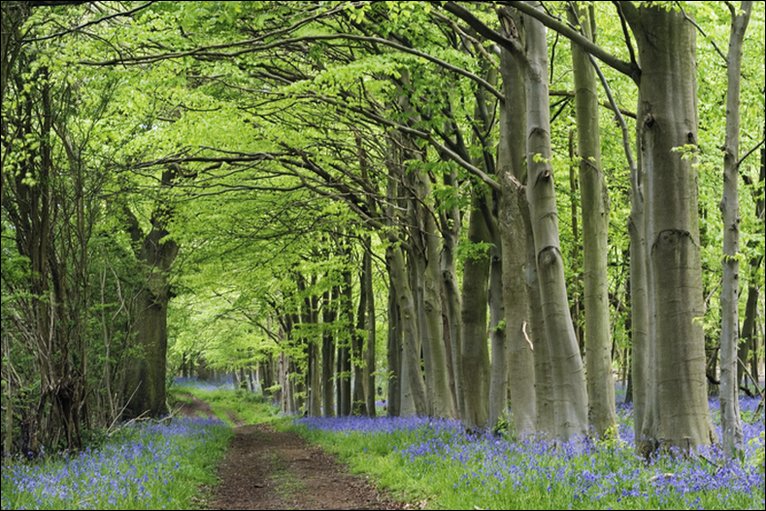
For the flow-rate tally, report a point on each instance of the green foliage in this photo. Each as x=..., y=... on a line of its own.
x=473, y=250
x=504, y=427
x=264, y=78
x=759, y=460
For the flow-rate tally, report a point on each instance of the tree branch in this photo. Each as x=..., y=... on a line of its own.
x=751, y=151
x=628, y=68
x=509, y=44
x=87, y=24
x=626, y=33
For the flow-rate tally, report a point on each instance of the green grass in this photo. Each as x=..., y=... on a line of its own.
x=234, y=406
x=430, y=463
x=439, y=466
x=377, y=455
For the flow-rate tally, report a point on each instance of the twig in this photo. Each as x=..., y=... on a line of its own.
x=699, y=29
x=751, y=151
x=526, y=336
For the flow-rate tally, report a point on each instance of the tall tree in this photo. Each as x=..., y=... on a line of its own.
x=675, y=410
x=147, y=371
x=595, y=223
x=678, y=412
x=474, y=353
x=570, y=399
x=729, y=394
x=511, y=157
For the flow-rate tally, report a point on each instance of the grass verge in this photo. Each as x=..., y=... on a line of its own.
x=235, y=407
x=438, y=465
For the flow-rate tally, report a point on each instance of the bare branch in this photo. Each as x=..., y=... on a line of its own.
x=509, y=44
x=699, y=29
x=628, y=68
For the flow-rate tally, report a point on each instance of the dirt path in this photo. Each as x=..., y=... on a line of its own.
x=193, y=407
x=269, y=469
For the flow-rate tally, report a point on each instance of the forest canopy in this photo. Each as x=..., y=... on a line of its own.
x=348, y=202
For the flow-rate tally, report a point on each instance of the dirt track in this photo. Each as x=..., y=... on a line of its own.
x=269, y=469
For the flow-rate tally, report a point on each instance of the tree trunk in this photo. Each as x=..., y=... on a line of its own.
x=451, y=224
x=511, y=158
x=667, y=134
x=570, y=399
x=314, y=350
x=731, y=423
x=412, y=387
x=474, y=353
x=595, y=222
x=145, y=375
x=369, y=367
x=367, y=374
x=328, y=350
x=359, y=404
x=574, y=286
x=436, y=363
x=642, y=362
x=394, y=356
x=343, y=372
x=498, y=369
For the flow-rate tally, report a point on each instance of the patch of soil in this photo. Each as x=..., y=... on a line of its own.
x=195, y=407
x=269, y=469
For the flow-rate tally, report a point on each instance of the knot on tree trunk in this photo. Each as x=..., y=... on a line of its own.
x=671, y=238
x=548, y=255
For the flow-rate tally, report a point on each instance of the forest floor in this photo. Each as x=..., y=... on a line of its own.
x=269, y=469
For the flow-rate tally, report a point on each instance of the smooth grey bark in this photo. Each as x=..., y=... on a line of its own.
x=412, y=387
x=343, y=366
x=394, y=352
x=574, y=286
x=498, y=369
x=424, y=268
x=450, y=227
x=474, y=352
x=437, y=366
x=731, y=423
x=424, y=251
x=642, y=362
x=667, y=133
x=369, y=366
x=595, y=225
x=328, y=350
x=543, y=391
x=570, y=399
x=359, y=403
x=513, y=207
